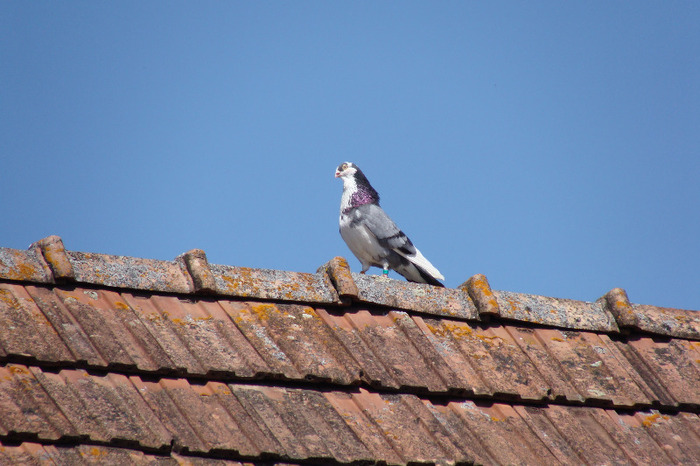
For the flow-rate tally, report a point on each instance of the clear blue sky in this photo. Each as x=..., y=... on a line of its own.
x=553, y=146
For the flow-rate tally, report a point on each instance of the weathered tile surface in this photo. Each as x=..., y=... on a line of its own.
x=667, y=321
x=129, y=272
x=564, y=313
x=394, y=350
x=274, y=284
x=23, y=266
x=417, y=297
x=29, y=453
x=119, y=360
x=295, y=424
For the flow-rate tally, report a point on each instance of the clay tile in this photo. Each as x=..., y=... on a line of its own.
x=618, y=304
x=27, y=265
x=54, y=253
x=419, y=297
x=339, y=272
x=273, y=284
x=198, y=267
x=662, y=321
x=678, y=323
x=480, y=292
x=557, y=312
x=130, y=272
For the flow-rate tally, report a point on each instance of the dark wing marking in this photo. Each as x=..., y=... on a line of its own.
x=428, y=278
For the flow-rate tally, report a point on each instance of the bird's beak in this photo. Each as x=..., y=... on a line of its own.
x=337, y=174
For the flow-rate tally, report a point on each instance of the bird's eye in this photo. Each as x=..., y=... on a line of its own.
x=343, y=166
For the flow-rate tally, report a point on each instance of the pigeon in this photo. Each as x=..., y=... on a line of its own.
x=372, y=236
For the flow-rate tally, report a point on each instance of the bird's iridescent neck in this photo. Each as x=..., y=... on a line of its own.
x=356, y=194
x=361, y=197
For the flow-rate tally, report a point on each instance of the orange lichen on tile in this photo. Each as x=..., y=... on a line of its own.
x=21, y=269
x=453, y=329
x=488, y=339
x=121, y=306
x=653, y=419
x=263, y=311
x=95, y=452
x=8, y=298
x=14, y=369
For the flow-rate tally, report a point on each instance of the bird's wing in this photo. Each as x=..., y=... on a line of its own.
x=384, y=229
x=389, y=236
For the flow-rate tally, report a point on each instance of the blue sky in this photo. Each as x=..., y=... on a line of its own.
x=553, y=146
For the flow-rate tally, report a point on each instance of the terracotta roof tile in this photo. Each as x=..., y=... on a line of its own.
x=293, y=341
x=394, y=350
x=671, y=368
x=489, y=360
x=27, y=331
x=414, y=297
x=564, y=313
x=55, y=256
x=130, y=361
x=199, y=270
x=582, y=366
x=667, y=321
x=62, y=324
x=481, y=294
x=129, y=272
x=332, y=284
x=23, y=266
x=273, y=284
x=651, y=319
x=289, y=423
x=341, y=278
x=29, y=453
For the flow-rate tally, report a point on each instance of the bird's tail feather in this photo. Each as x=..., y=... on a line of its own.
x=422, y=263
x=428, y=278
x=427, y=271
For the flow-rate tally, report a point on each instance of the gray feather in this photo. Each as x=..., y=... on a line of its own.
x=383, y=228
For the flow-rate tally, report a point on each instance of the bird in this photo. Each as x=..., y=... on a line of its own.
x=372, y=236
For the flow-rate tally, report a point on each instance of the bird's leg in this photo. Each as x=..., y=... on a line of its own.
x=385, y=271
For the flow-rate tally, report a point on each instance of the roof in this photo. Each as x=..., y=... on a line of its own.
x=128, y=360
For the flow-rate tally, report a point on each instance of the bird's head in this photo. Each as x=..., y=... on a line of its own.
x=346, y=169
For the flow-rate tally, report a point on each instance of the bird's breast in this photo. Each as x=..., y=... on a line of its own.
x=349, y=216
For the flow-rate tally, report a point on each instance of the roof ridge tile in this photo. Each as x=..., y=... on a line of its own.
x=417, y=297
x=618, y=304
x=339, y=272
x=47, y=261
x=482, y=296
x=197, y=266
x=555, y=312
x=24, y=266
x=53, y=252
x=651, y=319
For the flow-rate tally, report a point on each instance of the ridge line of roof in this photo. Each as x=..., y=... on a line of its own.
x=48, y=262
